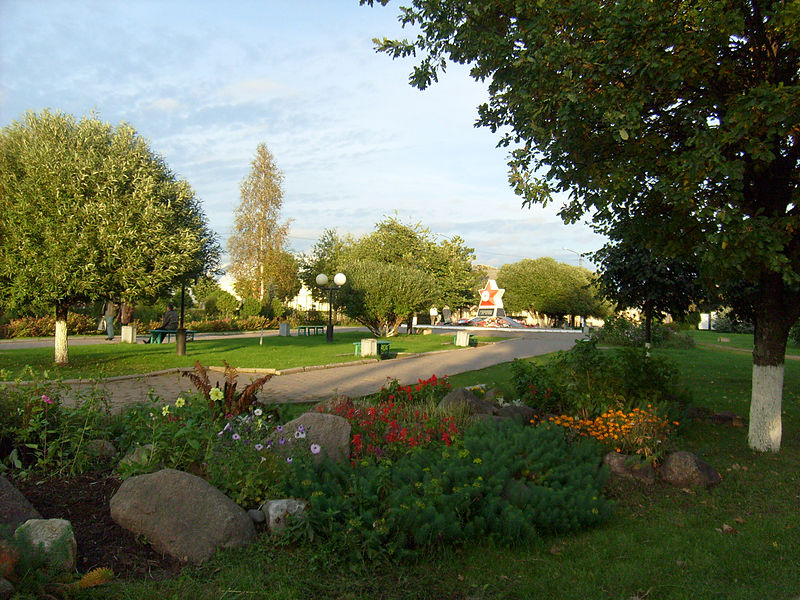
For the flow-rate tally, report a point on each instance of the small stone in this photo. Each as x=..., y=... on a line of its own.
x=623, y=465
x=257, y=515
x=102, y=448
x=277, y=512
x=53, y=537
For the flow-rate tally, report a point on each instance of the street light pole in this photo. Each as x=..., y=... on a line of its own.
x=580, y=255
x=322, y=281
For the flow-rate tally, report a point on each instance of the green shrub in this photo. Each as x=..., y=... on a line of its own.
x=250, y=308
x=38, y=434
x=77, y=324
x=178, y=435
x=620, y=331
x=587, y=382
x=507, y=482
x=727, y=321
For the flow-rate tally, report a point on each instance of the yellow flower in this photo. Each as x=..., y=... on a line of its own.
x=216, y=394
x=165, y=410
x=180, y=402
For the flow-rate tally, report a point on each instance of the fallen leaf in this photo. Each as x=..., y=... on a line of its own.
x=728, y=529
x=739, y=520
x=461, y=578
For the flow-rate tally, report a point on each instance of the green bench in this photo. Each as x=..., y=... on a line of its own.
x=311, y=330
x=383, y=349
x=158, y=336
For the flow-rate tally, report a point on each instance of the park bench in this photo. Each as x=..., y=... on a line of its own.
x=158, y=336
x=311, y=330
x=383, y=349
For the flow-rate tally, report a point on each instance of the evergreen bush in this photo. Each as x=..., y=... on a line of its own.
x=506, y=482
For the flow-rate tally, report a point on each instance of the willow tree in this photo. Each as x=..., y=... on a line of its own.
x=87, y=211
x=257, y=244
x=684, y=112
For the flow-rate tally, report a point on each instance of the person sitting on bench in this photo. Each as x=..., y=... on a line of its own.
x=170, y=320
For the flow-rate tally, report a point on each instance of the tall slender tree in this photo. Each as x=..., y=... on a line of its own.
x=88, y=212
x=259, y=236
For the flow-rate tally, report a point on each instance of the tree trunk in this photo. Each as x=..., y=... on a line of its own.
x=776, y=311
x=648, y=323
x=61, y=347
x=126, y=313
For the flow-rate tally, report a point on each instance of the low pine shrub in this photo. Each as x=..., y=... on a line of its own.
x=620, y=331
x=506, y=482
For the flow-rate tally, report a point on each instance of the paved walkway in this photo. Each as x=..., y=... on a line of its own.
x=350, y=379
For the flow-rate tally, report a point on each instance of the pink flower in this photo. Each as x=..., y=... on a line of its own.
x=46, y=399
x=315, y=448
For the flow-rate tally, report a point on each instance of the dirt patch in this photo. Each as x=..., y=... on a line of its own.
x=84, y=502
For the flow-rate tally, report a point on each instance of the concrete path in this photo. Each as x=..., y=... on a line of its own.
x=350, y=379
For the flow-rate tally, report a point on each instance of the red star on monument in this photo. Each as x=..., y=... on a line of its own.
x=491, y=295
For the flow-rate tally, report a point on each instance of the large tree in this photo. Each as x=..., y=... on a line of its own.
x=546, y=287
x=258, y=242
x=684, y=112
x=633, y=275
x=87, y=211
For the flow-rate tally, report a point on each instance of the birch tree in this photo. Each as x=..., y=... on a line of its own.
x=258, y=241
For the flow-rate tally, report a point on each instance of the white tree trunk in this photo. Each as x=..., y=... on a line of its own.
x=765, y=408
x=61, y=355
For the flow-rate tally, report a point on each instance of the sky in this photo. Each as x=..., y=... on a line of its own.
x=205, y=82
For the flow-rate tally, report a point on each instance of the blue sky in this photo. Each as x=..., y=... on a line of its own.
x=206, y=82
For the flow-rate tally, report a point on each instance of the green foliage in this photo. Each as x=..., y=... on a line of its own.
x=380, y=295
x=241, y=461
x=507, y=483
x=250, y=308
x=550, y=288
x=176, y=436
x=620, y=331
x=726, y=321
x=77, y=324
x=39, y=435
x=70, y=191
x=587, y=382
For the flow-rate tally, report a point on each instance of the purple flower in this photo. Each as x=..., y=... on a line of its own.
x=236, y=436
x=315, y=448
x=289, y=459
x=279, y=429
x=282, y=441
x=258, y=447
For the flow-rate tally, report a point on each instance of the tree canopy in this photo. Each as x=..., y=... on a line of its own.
x=546, y=287
x=260, y=262
x=87, y=211
x=682, y=114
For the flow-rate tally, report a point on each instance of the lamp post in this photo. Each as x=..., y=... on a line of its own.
x=322, y=281
x=580, y=255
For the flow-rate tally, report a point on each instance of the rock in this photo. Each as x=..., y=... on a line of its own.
x=139, y=455
x=14, y=507
x=684, y=469
x=52, y=537
x=6, y=589
x=330, y=432
x=277, y=511
x=256, y=515
x=622, y=465
x=102, y=448
x=462, y=398
x=493, y=395
x=181, y=515
x=523, y=414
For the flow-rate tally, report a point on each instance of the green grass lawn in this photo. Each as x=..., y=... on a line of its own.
x=661, y=543
x=107, y=360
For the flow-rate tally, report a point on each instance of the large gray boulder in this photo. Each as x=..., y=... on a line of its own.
x=522, y=414
x=181, y=515
x=686, y=470
x=330, y=432
x=14, y=507
x=463, y=399
x=53, y=538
